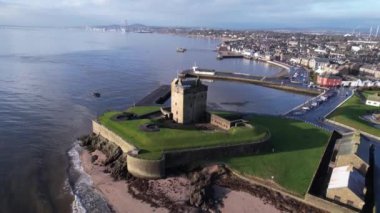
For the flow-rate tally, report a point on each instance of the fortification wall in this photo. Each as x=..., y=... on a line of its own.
x=373, y=137
x=111, y=136
x=184, y=157
x=326, y=205
x=144, y=168
x=153, y=169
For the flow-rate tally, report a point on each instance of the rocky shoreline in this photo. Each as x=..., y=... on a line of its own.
x=206, y=189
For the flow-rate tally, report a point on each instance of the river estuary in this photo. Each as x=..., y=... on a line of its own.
x=47, y=81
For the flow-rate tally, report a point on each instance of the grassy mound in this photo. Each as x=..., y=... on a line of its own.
x=167, y=138
x=351, y=111
x=298, y=149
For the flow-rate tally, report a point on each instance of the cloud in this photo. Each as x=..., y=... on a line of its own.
x=220, y=13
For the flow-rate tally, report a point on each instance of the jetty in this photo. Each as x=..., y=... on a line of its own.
x=279, y=81
x=157, y=97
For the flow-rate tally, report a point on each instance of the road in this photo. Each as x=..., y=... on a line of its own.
x=315, y=115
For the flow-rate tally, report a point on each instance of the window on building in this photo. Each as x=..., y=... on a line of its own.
x=349, y=202
x=336, y=198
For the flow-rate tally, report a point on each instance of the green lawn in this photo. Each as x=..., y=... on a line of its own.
x=349, y=114
x=298, y=150
x=142, y=110
x=153, y=143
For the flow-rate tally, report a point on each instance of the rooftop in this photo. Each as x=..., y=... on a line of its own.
x=349, y=144
x=326, y=75
x=189, y=83
x=344, y=176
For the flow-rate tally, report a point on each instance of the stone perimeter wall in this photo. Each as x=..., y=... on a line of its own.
x=188, y=156
x=111, y=136
x=153, y=169
x=142, y=168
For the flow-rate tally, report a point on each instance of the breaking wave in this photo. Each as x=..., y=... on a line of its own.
x=86, y=199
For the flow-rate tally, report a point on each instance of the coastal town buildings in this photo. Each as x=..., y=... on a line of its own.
x=371, y=70
x=318, y=63
x=327, y=80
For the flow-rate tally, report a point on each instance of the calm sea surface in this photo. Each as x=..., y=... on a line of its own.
x=47, y=78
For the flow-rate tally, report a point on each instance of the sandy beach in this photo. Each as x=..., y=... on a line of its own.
x=174, y=189
x=115, y=192
x=242, y=202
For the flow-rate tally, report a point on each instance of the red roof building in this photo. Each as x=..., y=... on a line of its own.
x=329, y=80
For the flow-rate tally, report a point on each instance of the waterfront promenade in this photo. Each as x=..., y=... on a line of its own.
x=316, y=115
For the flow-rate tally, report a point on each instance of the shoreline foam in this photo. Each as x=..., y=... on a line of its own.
x=86, y=199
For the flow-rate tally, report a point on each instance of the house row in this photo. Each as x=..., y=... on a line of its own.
x=313, y=63
x=371, y=70
x=360, y=83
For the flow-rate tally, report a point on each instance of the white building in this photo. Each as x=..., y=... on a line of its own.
x=360, y=83
x=373, y=100
x=248, y=52
x=316, y=63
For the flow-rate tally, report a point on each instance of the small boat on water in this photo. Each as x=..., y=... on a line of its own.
x=181, y=50
x=96, y=94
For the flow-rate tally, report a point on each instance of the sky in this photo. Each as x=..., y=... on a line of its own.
x=194, y=13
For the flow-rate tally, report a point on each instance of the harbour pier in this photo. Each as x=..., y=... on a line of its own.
x=157, y=97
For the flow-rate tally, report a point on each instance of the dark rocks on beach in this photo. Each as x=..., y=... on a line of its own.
x=201, y=189
x=201, y=192
x=119, y=169
x=115, y=162
x=94, y=158
x=113, y=156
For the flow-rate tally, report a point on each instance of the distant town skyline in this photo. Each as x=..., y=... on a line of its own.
x=194, y=13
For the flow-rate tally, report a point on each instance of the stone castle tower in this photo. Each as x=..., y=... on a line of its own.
x=188, y=101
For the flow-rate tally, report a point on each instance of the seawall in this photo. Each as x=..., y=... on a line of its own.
x=111, y=136
x=143, y=168
x=279, y=64
x=188, y=156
